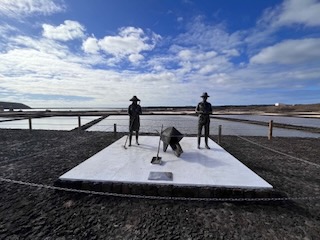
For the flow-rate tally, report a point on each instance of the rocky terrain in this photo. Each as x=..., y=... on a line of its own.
x=291, y=165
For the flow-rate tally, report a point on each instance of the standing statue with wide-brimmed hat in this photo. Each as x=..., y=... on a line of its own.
x=134, y=111
x=204, y=109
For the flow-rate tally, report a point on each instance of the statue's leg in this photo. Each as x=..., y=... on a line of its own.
x=165, y=146
x=137, y=137
x=180, y=148
x=130, y=138
x=199, y=134
x=176, y=149
x=206, y=134
x=173, y=146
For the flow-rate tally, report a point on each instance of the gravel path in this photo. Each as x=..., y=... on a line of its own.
x=42, y=156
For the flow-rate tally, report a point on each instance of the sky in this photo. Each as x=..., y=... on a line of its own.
x=100, y=53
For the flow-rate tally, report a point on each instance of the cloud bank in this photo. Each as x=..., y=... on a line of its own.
x=64, y=64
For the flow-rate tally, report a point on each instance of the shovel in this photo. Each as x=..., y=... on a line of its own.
x=157, y=159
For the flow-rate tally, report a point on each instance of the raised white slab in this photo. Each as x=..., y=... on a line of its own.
x=195, y=167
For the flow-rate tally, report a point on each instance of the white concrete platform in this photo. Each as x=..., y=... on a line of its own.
x=195, y=167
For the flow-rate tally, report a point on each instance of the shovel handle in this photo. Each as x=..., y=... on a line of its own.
x=159, y=142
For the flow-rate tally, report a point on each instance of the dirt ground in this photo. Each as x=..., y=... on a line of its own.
x=28, y=212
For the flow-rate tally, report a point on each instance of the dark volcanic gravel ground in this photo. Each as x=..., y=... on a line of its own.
x=42, y=156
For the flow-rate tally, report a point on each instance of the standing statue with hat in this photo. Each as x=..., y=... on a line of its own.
x=134, y=111
x=204, y=109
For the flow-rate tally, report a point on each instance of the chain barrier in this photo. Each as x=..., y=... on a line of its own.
x=108, y=194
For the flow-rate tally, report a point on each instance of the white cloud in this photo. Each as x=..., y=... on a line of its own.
x=196, y=55
x=220, y=78
x=129, y=41
x=5, y=31
x=209, y=37
x=46, y=67
x=287, y=14
x=6, y=28
x=90, y=45
x=231, y=52
x=208, y=69
x=128, y=44
x=185, y=54
x=306, y=12
x=30, y=71
x=206, y=55
x=197, y=61
x=291, y=12
x=135, y=58
x=190, y=54
x=64, y=32
x=290, y=52
x=42, y=45
x=21, y=8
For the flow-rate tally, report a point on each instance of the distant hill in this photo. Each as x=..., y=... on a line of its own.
x=13, y=105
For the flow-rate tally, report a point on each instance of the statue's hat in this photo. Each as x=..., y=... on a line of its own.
x=134, y=98
x=205, y=94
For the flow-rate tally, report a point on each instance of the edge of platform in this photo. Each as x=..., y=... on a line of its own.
x=170, y=190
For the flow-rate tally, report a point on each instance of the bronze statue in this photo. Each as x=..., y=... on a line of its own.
x=134, y=111
x=171, y=136
x=204, y=109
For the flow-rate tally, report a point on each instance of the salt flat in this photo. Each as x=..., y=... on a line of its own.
x=195, y=167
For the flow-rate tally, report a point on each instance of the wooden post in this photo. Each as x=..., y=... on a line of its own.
x=219, y=135
x=270, y=130
x=115, y=129
x=30, y=124
x=79, y=124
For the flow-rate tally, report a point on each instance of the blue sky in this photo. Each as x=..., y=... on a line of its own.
x=81, y=53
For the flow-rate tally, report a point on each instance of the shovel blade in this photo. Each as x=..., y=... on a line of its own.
x=156, y=160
